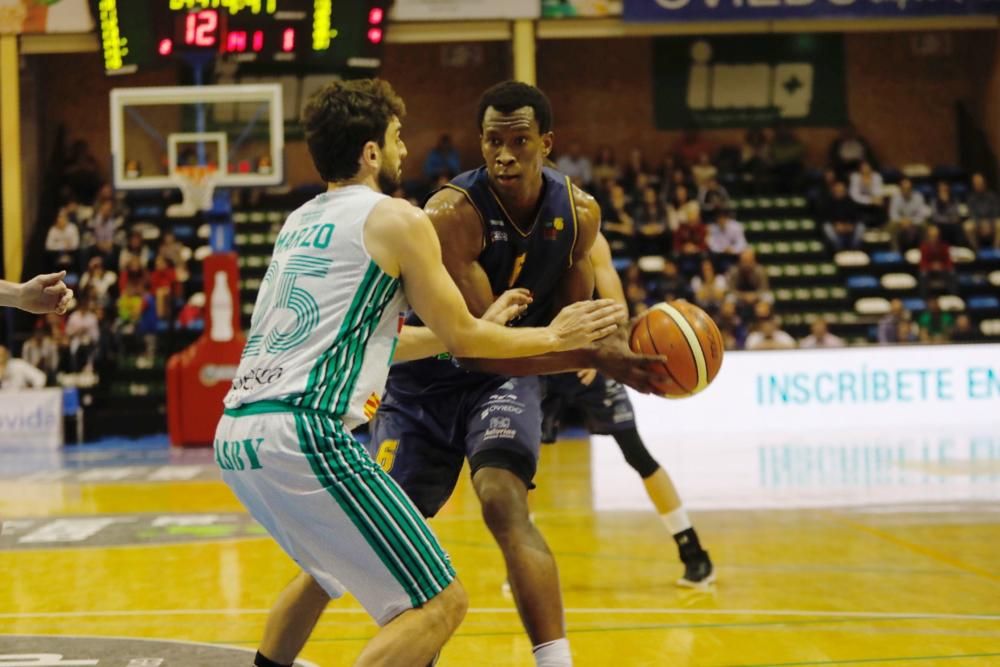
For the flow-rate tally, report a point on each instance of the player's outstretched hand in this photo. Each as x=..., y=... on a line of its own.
x=642, y=372
x=583, y=322
x=587, y=376
x=45, y=294
x=508, y=305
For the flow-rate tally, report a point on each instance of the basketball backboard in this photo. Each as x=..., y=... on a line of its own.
x=197, y=138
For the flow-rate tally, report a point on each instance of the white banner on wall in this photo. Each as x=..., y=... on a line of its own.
x=31, y=419
x=822, y=428
x=464, y=10
x=866, y=387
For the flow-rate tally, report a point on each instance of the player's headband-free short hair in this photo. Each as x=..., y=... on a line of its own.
x=342, y=117
x=509, y=96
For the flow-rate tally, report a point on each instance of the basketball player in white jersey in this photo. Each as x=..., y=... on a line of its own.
x=42, y=294
x=325, y=328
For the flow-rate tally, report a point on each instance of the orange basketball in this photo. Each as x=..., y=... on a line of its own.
x=690, y=340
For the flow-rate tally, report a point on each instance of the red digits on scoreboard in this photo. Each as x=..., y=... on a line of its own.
x=200, y=27
x=288, y=40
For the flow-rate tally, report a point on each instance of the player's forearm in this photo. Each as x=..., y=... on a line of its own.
x=481, y=339
x=10, y=294
x=417, y=343
x=545, y=364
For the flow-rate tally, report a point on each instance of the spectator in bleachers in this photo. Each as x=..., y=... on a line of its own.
x=703, y=172
x=576, y=165
x=606, y=165
x=84, y=333
x=81, y=171
x=726, y=239
x=848, y=151
x=935, y=324
x=165, y=287
x=650, y=219
x=669, y=284
x=868, y=192
x=983, y=203
x=635, y=289
x=617, y=224
x=937, y=270
x=945, y=213
x=635, y=166
x=690, y=244
x=907, y=333
x=908, y=213
x=755, y=155
x=820, y=336
x=442, y=159
x=965, y=331
x=769, y=336
x=748, y=280
x=98, y=279
x=103, y=225
x=712, y=199
x=682, y=208
x=41, y=351
x=691, y=146
x=17, y=374
x=889, y=324
x=982, y=229
x=133, y=274
x=788, y=159
x=62, y=243
x=173, y=250
x=665, y=170
x=839, y=216
x=679, y=179
x=709, y=288
x=730, y=325
x=135, y=248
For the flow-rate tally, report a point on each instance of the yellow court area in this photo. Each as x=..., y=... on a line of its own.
x=869, y=586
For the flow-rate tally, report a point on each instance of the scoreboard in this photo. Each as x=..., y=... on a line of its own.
x=320, y=34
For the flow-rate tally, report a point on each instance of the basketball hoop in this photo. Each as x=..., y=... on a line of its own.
x=197, y=185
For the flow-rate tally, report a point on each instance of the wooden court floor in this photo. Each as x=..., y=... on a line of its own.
x=796, y=587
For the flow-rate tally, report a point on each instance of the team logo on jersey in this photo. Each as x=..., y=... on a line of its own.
x=496, y=223
x=552, y=229
x=371, y=405
x=516, y=271
x=498, y=236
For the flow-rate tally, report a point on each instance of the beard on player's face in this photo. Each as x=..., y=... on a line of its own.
x=389, y=177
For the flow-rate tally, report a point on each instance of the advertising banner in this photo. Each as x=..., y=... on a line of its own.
x=41, y=16
x=464, y=10
x=858, y=426
x=673, y=11
x=558, y=9
x=31, y=419
x=749, y=81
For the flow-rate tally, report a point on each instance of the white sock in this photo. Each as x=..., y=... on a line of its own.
x=677, y=521
x=553, y=654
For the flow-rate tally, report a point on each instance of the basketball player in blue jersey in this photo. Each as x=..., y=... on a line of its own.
x=40, y=295
x=325, y=328
x=608, y=411
x=511, y=223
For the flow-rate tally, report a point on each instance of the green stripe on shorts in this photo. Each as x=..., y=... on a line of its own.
x=388, y=521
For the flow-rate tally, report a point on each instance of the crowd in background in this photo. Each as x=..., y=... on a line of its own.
x=671, y=226
x=673, y=230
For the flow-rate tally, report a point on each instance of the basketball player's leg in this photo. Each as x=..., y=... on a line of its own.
x=610, y=412
x=503, y=431
x=291, y=621
x=349, y=527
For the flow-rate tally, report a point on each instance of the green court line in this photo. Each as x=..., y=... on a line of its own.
x=857, y=661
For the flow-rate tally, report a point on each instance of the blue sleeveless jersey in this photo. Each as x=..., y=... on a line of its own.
x=535, y=259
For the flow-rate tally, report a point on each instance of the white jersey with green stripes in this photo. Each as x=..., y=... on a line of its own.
x=327, y=318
